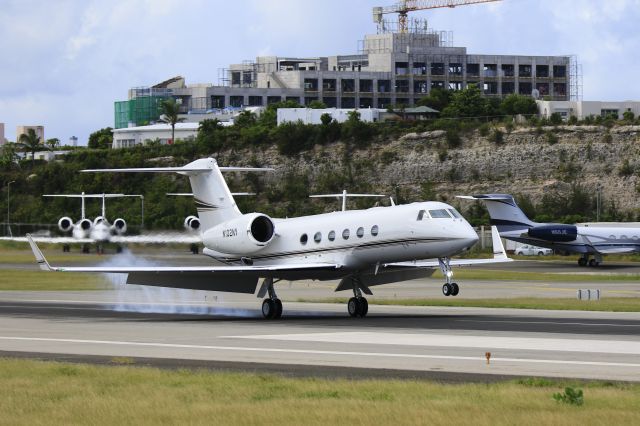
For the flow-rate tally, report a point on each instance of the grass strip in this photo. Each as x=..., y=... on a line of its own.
x=17, y=280
x=37, y=392
x=501, y=275
x=617, y=304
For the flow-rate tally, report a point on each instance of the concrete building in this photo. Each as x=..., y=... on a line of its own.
x=583, y=109
x=313, y=116
x=73, y=141
x=132, y=136
x=2, y=139
x=389, y=69
x=22, y=130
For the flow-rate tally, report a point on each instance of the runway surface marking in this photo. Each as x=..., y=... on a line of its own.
x=599, y=324
x=319, y=352
x=462, y=341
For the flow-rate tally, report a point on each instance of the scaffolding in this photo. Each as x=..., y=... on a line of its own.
x=575, y=79
x=138, y=111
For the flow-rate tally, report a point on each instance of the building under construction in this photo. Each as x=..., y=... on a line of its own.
x=400, y=64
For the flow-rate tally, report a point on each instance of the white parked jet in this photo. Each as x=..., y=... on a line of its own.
x=361, y=248
x=588, y=239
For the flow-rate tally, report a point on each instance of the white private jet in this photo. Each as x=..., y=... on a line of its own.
x=361, y=248
x=590, y=240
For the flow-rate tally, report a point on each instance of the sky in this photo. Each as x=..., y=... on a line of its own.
x=65, y=62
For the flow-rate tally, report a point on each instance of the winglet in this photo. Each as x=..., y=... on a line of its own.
x=499, y=253
x=44, y=265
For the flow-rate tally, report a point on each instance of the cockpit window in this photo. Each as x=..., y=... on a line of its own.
x=455, y=213
x=422, y=214
x=439, y=214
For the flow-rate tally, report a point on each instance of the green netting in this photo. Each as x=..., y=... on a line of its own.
x=139, y=111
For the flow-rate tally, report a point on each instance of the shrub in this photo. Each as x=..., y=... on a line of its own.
x=552, y=139
x=626, y=169
x=453, y=138
x=484, y=130
x=497, y=137
x=570, y=396
x=555, y=119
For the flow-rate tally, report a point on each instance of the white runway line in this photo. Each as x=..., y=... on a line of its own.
x=462, y=341
x=317, y=352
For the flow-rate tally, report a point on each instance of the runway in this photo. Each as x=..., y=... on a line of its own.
x=392, y=340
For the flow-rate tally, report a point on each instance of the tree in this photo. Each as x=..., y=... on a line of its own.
x=437, y=99
x=467, y=103
x=53, y=143
x=170, y=115
x=515, y=104
x=326, y=119
x=628, y=116
x=30, y=142
x=8, y=155
x=269, y=117
x=101, y=139
x=317, y=105
x=245, y=119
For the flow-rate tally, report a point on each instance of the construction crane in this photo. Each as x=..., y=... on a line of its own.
x=403, y=7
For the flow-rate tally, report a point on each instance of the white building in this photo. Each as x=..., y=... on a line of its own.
x=583, y=109
x=132, y=136
x=313, y=116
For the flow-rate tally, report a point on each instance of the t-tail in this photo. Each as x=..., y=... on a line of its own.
x=214, y=201
x=504, y=212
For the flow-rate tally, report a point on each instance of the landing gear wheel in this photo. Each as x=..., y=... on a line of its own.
x=447, y=290
x=119, y=249
x=363, y=307
x=353, y=307
x=454, y=289
x=594, y=263
x=268, y=308
x=278, y=313
x=582, y=262
x=85, y=249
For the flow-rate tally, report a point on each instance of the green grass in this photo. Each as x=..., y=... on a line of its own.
x=617, y=304
x=53, y=256
x=50, y=281
x=35, y=392
x=501, y=275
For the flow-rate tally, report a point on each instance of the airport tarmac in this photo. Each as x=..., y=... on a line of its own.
x=392, y=340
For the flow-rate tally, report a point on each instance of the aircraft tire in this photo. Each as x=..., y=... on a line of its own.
x=447, y=290
x=268, y=308
x=454, y=289
x=278, y=313
x=363, y=307
x=582, y=261
x=353, y=307
x=594, y=263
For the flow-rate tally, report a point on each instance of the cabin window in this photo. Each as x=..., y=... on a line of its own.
x=318, y=237
x=623, y=237
x=374, y=230
x=345, y=234
x=455, y=213
x=303, y=239
x=360, y=232
x=439, y=214
x=332, y=235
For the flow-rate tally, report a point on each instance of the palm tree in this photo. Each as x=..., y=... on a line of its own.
x=170, y=111
x=30, y=142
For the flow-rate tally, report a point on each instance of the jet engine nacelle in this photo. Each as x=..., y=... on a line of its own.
x=85, y=224
x=192, y=223
x=554, y=233
x=245, y=235
x=98, y=220
x=65, y=224
x=119, y=226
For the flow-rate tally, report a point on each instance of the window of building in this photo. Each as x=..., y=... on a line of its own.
x=542, y=71
x=490, y=88
x=345, y=234
x=360, y=232
x=455, y=68
x=437, y=84
x=384, y=86
x=543, y=88
x=437, y=68
x=508, y=70
x=317, y=237
x=293, y=99
x=559, y=71
x=348, y=85
x=508, y=87
x=402, y=86
x=374, y=230
x=329, y=84
x=310, y=84
x=247, y=78
x=419, y=68
x=366, y=103
x=473, y=70
x=303, y=239
x=255, y=100
x=366, y=86
x=273, y=99
x=524, y=71
x=439, y=214
x=330, y=102
x=217, y=102
x=236, y=101
x=309, y=99
x=236, y=77
x=348, y=102
x=332, y=235
x=525, y=88
x=490, y=70
x=455, y=85
x=384, y=102
x=560, y=89
x=420, y=86
x=402, y=68
x=610, y=112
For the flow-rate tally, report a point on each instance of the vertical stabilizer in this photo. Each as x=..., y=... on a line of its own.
x=505, y=213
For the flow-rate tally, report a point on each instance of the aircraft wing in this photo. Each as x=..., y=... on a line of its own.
x=156, y=238
x=499, y=256
x=616, y=250
x=49, y=240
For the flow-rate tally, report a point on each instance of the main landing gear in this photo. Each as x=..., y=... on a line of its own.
x=584, y=260
x=271, y=306
x=357, y=306
x=449, y=288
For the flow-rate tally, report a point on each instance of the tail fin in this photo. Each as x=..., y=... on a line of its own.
x=505, y=213
x=214, y=201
